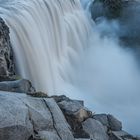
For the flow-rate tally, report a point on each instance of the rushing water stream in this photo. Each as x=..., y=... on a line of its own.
x=59, y=49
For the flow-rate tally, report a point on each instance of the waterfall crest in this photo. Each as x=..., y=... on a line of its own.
x=48, y=37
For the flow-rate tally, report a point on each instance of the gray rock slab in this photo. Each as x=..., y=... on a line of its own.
x=95, y=129
x=60, y=123
x=114, y=123
x=14, y=118
x=20, y=86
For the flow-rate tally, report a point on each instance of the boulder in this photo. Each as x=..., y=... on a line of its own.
x=95, y=129
x=103, y=118
x=6, y=54
x=76, y=109
x=75, y=113
x=114, y=124
x=109, y=122
x=30, y=118
x=20, y=86
x=15, y=122
x=120, y=135
x=40, y=115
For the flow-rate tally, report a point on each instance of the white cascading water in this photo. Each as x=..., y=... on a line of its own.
x=55, y=47
x=47, y=37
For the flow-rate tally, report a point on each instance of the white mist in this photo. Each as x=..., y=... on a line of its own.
x=109, y=77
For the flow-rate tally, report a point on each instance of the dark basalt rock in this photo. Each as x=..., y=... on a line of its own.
x=60, y=98
x=126, y=15
x=6, y=54
x=108, y=8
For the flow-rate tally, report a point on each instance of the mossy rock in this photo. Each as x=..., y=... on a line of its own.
x=9, y=78
x=39, y=95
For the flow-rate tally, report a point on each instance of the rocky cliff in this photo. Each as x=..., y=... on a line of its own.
x=6, y=55
x=126, y=15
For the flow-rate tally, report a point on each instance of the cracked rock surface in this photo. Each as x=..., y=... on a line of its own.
x=25, y=117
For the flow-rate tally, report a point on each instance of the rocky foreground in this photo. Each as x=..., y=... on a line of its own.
x=35, y=116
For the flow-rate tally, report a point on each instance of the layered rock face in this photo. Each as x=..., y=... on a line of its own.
x=9, y=81
x=6, y=55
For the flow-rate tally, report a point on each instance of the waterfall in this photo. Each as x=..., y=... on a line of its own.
x=57, y=48
x=47, y=37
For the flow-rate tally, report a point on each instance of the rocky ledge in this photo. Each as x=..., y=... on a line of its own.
x=29, y=117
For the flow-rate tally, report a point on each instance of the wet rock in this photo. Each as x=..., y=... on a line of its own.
x=38, y=94
x=121, y=135
x=95, y=129
x=9, y=78
x=6, y=54
x=21, y=86
x=114, y=124
x=127, y=20
x=110, y=9
x=60, y=98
